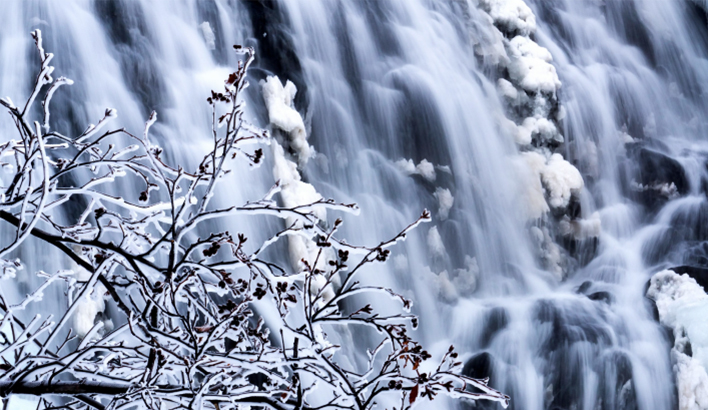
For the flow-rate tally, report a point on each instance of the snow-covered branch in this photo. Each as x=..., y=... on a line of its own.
x=189, y=325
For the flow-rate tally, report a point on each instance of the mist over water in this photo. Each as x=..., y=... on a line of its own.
x=383, y=82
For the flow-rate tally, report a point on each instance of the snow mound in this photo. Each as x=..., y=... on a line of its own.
x=511, y=15
x=549, y=183
x=507, y=89
x=581, y=229
x=294, y=192
x=425, y=168
x=282, y=114
x=540, y=126
x=683, y=306
x=561, y=179
x=531, y=67
x=445, y=202
x=450, y=287
x=529, y=167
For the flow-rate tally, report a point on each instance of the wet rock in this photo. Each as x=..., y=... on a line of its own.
x=583, y=288
x=602, y=296
x=659, y=177
x=497, y=319
x=618, y=387
x=479, y=366
x=275, y=47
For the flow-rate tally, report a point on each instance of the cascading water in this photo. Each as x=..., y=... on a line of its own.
x=413, y=104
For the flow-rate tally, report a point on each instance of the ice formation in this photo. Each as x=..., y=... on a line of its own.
x=545, y=182
x=425, y=168
x=666, y=189
x=529, y=167
x=452, y=286
x=581, y=229
x=683, y=306
x=507, y=89
x=529, y=89
x=294, y=191
x=282, y=114
x=561, y=179
x=445, y=202
x=510, y=15
x=539, y=126
x=531, y=67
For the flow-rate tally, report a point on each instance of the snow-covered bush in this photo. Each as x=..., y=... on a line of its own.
x=192, y=329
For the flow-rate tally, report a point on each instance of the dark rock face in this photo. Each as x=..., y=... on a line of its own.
x=134, y=48
x=497, y=320
x=655, y=169
x=275, y=47
x=480, y=366
x=601, y=296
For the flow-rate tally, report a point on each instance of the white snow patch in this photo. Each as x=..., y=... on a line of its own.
x=561, y=179
x=530, y=66
x=666, y=189
x=406, y=166
x=507, y=89
x=445, y=202
x=683, y=306
x=425, y=168
x=451, y=286
x=529, y=167
x=511, y=15
x=625, y=138
x=465, y=280
x=581, y=229
x=294, y=192
x=537, y=126
x=282, y=114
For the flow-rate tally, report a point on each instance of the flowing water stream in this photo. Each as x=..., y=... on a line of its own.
x=553, y=308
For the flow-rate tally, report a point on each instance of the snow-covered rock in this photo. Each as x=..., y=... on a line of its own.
x=531, y=67
x=683, y=306
x=529, y=167
x=511, y=15
x=279, y=102
x=561, y=179
x=425, y=168
x=445, y=202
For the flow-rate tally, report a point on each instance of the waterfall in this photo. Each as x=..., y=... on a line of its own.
x=413, y=104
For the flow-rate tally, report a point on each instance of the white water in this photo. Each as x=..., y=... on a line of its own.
x=382, y=81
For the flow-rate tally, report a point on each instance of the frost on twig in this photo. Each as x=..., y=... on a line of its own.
x=188, y=328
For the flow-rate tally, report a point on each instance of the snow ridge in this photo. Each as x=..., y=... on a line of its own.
x=293, y=190
x=528, y=86
x=683, y=306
